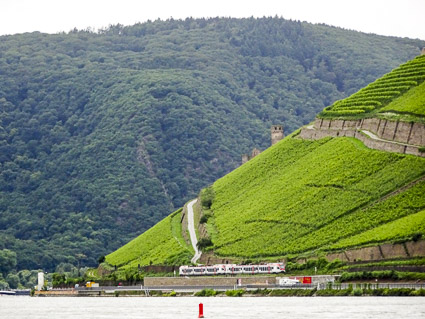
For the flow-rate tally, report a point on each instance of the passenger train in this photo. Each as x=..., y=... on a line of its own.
x=231, y=269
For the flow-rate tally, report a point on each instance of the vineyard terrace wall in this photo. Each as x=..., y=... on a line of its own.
x=395, y=131
x=382, y=252
x=185, y=231
x=208, y=258
x=398, y=137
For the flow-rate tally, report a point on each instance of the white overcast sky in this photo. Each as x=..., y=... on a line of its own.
x=402, y=18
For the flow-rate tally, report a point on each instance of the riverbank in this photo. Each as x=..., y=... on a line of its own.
x=365, y=289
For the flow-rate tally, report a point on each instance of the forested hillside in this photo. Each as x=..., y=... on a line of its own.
x=103, y=134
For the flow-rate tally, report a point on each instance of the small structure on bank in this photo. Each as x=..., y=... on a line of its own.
x=40, y=281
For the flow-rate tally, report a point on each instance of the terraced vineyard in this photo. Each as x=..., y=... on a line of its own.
x=413, y=102
x=300, y=196
x=410, y=225
x=379, y=93
x=162, y=244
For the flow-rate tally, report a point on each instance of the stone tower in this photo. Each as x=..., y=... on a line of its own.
x=276, y=133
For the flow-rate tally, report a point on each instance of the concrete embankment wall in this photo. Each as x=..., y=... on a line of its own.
x=56, y=293
x=208, y=281
x=392, y=132
x=224, y=281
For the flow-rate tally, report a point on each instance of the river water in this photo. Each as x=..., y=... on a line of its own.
x=214, y=307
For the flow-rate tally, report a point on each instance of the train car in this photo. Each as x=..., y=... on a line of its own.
x=185, y=271
x=273, y=268
x=250, y=269
x=234, y=269
x=231, y=269
x=199, y=271
x=215, y=270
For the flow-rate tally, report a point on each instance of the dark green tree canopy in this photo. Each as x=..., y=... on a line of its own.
x=7, y=261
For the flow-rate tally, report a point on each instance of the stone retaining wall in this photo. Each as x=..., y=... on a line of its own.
x=399, y=132
x=159, y=268
x=382, y=252
x=208, y=258
x=395, y=131
x=388, y=146
x=384, y=268
x=416, y=248
x=202, y=229
x=184, y=226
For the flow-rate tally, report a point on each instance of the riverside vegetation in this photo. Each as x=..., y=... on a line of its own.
x=304, y=198
x=103, y=134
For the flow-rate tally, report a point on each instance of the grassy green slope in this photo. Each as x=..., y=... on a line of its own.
x=300, y=195
x=162, y=244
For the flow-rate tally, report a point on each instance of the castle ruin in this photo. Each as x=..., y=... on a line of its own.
x=276, y=134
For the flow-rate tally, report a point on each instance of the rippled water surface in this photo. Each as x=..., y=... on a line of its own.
x=217, y=307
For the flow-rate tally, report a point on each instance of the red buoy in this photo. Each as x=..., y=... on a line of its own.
x=201, y=311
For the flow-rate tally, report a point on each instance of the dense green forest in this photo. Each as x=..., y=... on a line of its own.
x=102, y=134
